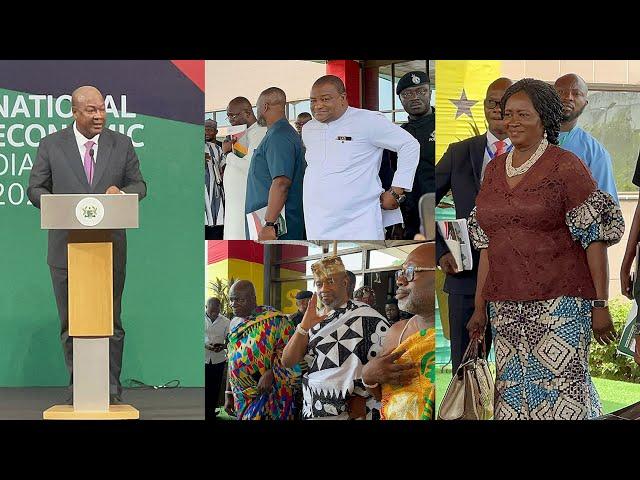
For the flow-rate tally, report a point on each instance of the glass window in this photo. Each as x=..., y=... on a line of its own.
x=613, y=118
x=343, y=246
x=388, y=257
x=388, y=78
x=221, y=118
x=291, y=270
x=299, y=107
x=385, y=89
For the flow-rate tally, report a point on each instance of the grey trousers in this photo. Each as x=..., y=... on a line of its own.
x=59, y=278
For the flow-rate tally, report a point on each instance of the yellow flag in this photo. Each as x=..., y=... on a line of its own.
x=461, y=86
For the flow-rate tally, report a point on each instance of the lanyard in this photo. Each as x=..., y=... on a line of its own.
x=493, y=154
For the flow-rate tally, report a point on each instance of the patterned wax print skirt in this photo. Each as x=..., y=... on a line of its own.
x=542, y=360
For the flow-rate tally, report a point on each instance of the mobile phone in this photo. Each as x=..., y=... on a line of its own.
x=427, y=209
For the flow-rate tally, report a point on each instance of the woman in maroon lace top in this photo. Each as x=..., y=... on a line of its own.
x=543, y=227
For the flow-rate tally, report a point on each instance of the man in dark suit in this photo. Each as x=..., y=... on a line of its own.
x=461, y=170
x=87, y=158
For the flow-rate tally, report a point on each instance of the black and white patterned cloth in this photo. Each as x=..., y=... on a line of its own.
x=338, y=348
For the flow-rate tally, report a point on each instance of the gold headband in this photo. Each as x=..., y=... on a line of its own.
x=327, y=267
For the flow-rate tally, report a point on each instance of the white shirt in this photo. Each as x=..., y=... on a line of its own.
x=215, y=332
x=235, y=185
x=491, y=140
x=341, y=194
x=81, y=140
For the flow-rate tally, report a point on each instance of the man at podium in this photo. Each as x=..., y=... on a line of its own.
x=87, y=158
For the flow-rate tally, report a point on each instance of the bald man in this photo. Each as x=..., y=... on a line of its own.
x=87, y=158
x=343, y=194
x=276, y=172
x=237, y=160
x=258, y=386
x=415, y=294
x=461, y=170
x=573, y=92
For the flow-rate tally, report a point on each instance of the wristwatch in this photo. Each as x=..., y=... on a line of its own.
x=272, y=224
x=399, y=198
x=599, y=303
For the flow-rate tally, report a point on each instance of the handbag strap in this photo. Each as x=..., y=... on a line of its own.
x=482, y=349
x=471, y=353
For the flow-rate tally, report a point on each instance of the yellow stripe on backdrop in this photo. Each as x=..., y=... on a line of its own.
x=254, y=272
x=461, y=86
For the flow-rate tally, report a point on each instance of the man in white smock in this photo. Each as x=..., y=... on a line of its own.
x=343, y=196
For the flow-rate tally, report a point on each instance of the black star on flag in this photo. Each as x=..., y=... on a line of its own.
x=463, y=105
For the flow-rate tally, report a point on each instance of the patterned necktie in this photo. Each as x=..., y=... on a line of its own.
x=88, y=161
x=500, y=147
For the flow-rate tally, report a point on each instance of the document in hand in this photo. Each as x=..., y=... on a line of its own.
x=456, y=236
x=255, y=220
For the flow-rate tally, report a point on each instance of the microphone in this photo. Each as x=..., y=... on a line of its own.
x=92, y=157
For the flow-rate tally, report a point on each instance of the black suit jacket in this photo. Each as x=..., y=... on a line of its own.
x=459, y=171
x=58, y=169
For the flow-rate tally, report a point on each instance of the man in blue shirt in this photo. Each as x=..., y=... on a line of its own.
x=573, y=93
x=276, y=170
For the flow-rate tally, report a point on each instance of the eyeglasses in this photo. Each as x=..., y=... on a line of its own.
x=233, y=116
x=419, y=92
x=410, y=272
x=491, y=104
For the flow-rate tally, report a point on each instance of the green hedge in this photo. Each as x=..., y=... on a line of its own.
x=604, y=361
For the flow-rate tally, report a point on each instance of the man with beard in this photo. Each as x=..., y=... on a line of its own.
x=238, y=158
x=415, y=96
x=403, y=377
x=461, y=170
x=277, y=170
x=573, y=91
x=338, y=345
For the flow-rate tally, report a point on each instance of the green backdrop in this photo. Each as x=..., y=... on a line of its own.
x=162, y=300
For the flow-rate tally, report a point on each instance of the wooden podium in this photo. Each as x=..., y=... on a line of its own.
x=90, y=219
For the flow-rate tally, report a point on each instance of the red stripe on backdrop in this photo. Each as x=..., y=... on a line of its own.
x=246, y=250
x=294, y=251
x=193, y=69
x=349, y=72
x=217, y=250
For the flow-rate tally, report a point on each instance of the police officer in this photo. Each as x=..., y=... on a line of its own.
x=415, y=95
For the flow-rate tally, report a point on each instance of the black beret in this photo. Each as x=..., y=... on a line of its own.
x=411, y=79
x=302, y=294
